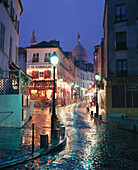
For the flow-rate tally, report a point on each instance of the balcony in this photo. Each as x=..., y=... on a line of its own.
x=13, y=82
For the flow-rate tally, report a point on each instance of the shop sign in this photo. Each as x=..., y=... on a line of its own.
x=40, y=66
x=45, y=85
x=132, y=87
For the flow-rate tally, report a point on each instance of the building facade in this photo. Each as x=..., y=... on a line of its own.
x=10, y=11
x=15, y=104
x=22, y=58
x=120, y=57
x=71, y=79
x=40, y=68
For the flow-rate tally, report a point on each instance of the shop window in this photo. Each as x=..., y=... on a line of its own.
x=41, y=74
x=118, y=96
x=35, y=74
x=121, y=42
x=121, y=68
x=120, y=12
x=129, y=99
x=47, y=74
x=135, y=99
x=132, y=98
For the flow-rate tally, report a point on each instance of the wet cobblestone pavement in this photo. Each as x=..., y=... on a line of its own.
x=90, y=145
x=14, y=142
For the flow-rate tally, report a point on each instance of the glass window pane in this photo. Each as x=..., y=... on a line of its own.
x=123, y=12
x=129, y=98
x=135, y=99
x=119, y=65
x=118, y=96
x=123, y=36
x=124, y=65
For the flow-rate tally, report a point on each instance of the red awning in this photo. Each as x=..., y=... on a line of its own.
x=75, y=89
x=89, y=90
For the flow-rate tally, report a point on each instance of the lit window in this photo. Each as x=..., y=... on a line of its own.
x=47, y=74
x=41, y=74
x=35, y=74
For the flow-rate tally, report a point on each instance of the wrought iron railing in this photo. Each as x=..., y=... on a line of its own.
x=13, y=82
x=9, y=86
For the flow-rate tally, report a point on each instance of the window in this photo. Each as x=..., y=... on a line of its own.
x=120, y=12
x=5, y=2
x=121, y=43
x=131, y=99
x=35, y=74
x=135, y=99
x=11, y=6
x=18, y=26
x=10, y=48
x=118, y=96
x=46, y=59
x=121, y=68
x=2, y=36
x=16, y=22
x=41, y=74
x=35, y=58
x=12, y=11
x=47, y=74
x=16, y=57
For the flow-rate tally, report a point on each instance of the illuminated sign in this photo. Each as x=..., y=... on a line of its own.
x=40, y=66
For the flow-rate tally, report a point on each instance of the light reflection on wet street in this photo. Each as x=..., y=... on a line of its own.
x=90, y=145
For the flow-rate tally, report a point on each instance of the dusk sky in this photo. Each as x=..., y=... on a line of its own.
x=63, y=20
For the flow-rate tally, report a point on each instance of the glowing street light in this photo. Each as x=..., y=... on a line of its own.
x=61, y=79
x=97, y=76
x=97, y=106
x=54, y=61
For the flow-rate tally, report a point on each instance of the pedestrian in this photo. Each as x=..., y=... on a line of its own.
x=87, y=109
x=43, y=104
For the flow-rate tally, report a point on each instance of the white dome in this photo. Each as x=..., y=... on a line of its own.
x=79, y=52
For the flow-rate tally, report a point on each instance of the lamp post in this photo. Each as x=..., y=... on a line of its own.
x=54, y=61
x=97, y=106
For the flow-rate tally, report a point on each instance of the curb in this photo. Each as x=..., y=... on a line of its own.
x=53, y=148
x=115, y=126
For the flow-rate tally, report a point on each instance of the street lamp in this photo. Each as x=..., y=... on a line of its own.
x=97, y=106
x=54, y=61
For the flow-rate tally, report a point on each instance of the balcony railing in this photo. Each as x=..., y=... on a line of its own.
x=13, y=82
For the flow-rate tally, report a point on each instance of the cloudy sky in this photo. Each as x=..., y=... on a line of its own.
x=63, y=20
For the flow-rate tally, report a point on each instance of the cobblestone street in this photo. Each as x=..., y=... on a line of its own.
x=90, y=145
x=19, y=141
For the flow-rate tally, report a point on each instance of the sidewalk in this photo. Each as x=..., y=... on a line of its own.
x=16, y=144
x=129, y=123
